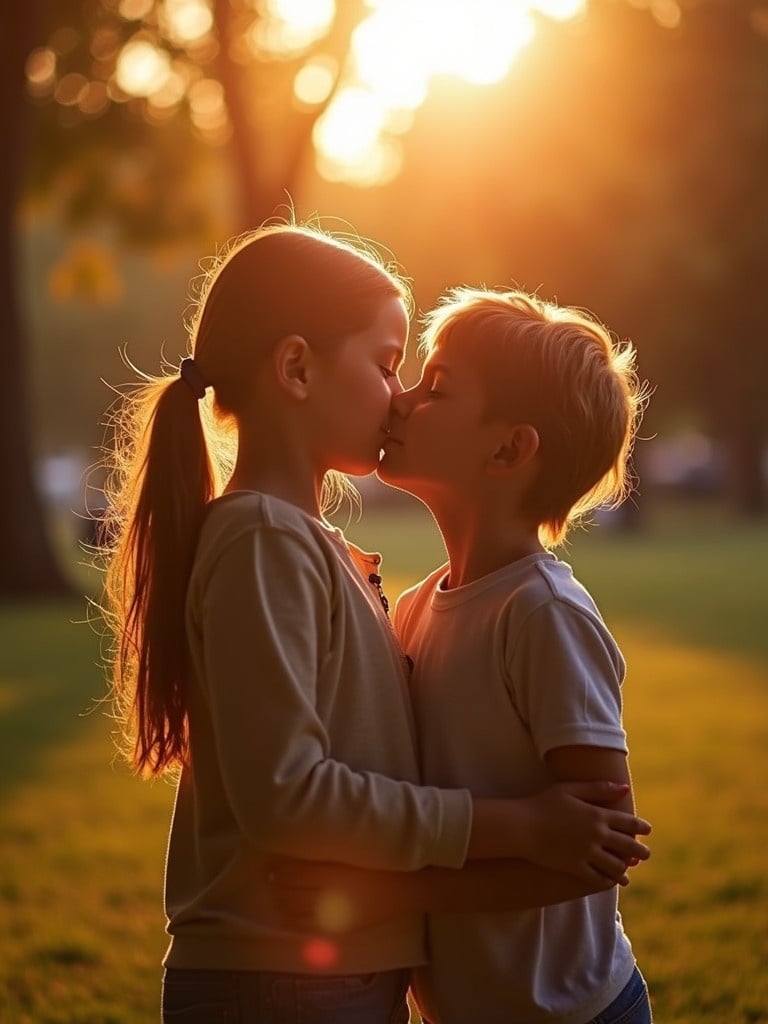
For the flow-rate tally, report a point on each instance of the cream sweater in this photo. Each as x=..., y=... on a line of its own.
x=302, y=744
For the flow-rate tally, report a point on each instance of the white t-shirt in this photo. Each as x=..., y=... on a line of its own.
x=505, y=669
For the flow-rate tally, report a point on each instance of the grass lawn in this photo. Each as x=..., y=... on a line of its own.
x=82, y=842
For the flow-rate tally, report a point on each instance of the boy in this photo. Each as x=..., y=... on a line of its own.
x=522, y=422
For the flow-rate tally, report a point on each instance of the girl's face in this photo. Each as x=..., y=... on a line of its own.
x=441, y=438
x=359, y=380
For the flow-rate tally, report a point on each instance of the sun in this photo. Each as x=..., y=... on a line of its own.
x=397, y=53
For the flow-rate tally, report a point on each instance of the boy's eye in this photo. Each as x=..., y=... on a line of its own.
x=388, y=374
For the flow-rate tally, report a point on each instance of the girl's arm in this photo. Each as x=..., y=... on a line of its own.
x=262, y=650
x=334, y=897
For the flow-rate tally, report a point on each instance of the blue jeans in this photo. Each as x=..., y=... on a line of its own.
x=631, y=1005
x=265, y=997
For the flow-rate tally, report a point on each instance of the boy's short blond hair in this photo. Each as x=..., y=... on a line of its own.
x=561, y=371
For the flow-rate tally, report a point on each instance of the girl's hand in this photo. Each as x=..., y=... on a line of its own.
x=570, y=829
x=334, y=898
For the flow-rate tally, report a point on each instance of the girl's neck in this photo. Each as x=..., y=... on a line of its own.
x=283, y=473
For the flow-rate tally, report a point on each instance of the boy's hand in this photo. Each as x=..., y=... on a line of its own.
x=334, y=898
x=570, y=830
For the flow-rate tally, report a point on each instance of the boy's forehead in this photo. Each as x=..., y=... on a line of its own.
x=452, y=354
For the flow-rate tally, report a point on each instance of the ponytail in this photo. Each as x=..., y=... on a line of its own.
x=162, y=478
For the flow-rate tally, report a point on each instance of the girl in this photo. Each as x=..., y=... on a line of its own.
x=254, y=654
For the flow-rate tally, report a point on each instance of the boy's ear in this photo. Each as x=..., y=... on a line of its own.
x=515, y=450
x=291, y=358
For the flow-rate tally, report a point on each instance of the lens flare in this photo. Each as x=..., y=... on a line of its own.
x=320, y=954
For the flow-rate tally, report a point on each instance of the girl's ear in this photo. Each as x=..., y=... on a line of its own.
x=291, y=359
x=516, y=449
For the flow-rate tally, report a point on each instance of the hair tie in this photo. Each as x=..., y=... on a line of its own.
x=190, y=374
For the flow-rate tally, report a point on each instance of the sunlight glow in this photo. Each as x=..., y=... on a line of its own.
x=186, y=20
x=70, y=88
x=134, y=10
x=142, y=69
x=172, y=92
x=41, y=69
x=562, y=10
x=289, y=26
x=351, y=125
x=397, y=52
x=315, y=80
x=667, y=13
x=208, y=110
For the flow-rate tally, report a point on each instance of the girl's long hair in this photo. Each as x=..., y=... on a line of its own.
x=169, y=456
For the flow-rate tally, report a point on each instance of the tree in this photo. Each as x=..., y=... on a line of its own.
x=81, y=132
x=27, y=563
x=628, y=124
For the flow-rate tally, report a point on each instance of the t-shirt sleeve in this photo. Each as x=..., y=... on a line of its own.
x=565, y=674
x=267, y=628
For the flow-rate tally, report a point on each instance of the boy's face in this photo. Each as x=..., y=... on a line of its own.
x=441, y=439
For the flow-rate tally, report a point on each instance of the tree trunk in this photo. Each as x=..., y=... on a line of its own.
x=746, y=470
x=262, y=192
x=27, y=564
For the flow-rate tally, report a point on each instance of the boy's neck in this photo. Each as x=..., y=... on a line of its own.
x=481, y=540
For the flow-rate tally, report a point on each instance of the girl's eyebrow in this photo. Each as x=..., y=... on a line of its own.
x=438, y=368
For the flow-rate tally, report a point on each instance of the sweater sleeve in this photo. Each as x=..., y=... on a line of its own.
x=267, y=628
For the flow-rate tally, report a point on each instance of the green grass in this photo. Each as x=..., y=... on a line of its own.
x=82, y=843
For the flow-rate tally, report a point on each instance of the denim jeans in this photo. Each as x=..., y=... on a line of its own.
x=631, y=1005
x=261, y=997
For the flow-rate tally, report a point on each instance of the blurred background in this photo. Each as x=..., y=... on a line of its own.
x=609, y=154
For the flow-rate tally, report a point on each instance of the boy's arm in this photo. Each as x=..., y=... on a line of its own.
x=500, y=885
x=586, y=763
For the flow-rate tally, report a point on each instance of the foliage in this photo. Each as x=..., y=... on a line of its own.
x=147, y=157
